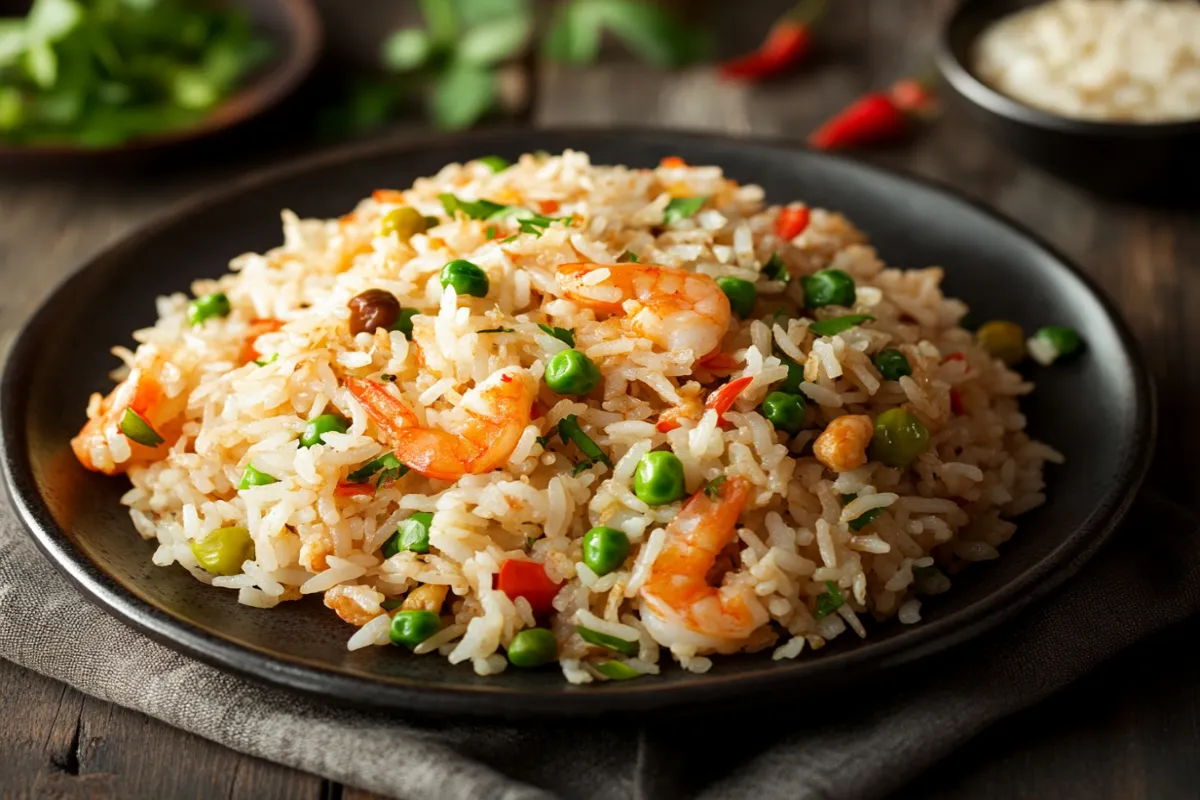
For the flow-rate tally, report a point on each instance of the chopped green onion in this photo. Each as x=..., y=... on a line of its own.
x=269, y=360
x=617, y=670
x=682, y=208
x=623, y=646
x=386, y=462
x=475, y=209
x=134, y=426
x=775, y=269
x=496, y=330
x=630, y=257
x=864, y=519
x=392, y=605
x=564, y=335
x=568, y=429
x=207, y=307
x=831, y=327
x=492, y=232
x=830, y=601
x=712, y=489
x=495, y=163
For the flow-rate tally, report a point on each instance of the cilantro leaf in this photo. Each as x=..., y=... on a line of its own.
x=570, y=430
x=565, y=336
x=712, y=489
x=682, y=208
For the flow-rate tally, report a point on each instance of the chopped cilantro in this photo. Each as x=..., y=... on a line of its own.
x=564, y=335
x=569, y=430
x=387, y=465
x=829, y=601
x=712, y=489
x=775, y=269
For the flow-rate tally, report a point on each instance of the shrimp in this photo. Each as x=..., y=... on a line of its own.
x=679, y=606
x=674, y=308
x=842, y=446
x=101, y=446
x=496, y=413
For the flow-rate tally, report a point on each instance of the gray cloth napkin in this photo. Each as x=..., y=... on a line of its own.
x=1146, y=579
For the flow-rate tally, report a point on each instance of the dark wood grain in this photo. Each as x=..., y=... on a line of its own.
x=1130, y=730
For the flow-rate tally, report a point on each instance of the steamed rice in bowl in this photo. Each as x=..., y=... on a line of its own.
x=453, y=419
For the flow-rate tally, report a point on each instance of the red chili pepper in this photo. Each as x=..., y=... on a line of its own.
x=792, y=222
x=956, y=403
x=913, y=96
x=787, y=43
x=871, y=118
x=528, y=579
x=722, y=399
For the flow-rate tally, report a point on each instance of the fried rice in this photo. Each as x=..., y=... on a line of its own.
x=821, y=550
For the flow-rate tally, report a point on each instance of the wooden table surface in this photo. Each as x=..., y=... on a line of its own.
x=1130, y=730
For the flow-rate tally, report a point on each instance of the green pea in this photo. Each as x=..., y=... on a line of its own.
x=465, y=277
x=899, y=438
x=405, y=222
x=571, y=372
x=785, y=411
x=315, y=430
x=1064, y=340
x=828, y=287
x=411, y=534
x=410, y=628
x=795, y=376
x=252, y=477
x=532, y=647
x=1003, y=340
x=207, y=307
x=892, y=364
x=221, y=552
x=658, y=478
x=404, y=320
x=741, y=293
x=604, y=549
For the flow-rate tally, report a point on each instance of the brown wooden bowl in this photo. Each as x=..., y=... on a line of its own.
x=295, y=28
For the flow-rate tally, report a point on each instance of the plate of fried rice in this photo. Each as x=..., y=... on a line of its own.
x=573, y=421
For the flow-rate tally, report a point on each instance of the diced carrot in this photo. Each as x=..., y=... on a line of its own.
x=672, y=162
x=548, y=206
x=792, y=222
x=722, y=399
x=528, y=579
x=387, y=196
x=257, y=328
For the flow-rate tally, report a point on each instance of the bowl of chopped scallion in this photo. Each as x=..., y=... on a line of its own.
x=96, y=76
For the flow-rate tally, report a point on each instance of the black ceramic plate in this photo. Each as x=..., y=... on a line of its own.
x=1095, y=408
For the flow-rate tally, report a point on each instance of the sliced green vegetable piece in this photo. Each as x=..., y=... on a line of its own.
x=135, y=426
x=564, y=335
x=617, y=670
x=682, y=208
x=252, y=477
x=569, y=430
x=495, y=163
x=832, y=327
x=829, y=601
x=623, y=646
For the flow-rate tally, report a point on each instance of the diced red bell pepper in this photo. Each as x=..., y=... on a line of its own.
x=792, y=222
x=528, y=579
x=722, y=399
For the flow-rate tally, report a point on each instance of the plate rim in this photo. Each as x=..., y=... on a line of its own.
x=494, y=699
